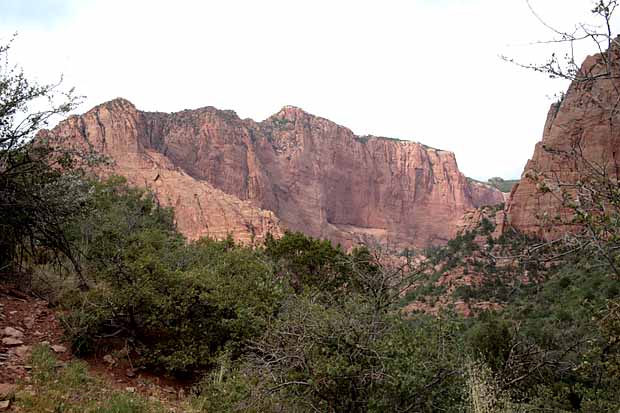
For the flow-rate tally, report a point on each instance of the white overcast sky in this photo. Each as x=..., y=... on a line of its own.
x=425, y=70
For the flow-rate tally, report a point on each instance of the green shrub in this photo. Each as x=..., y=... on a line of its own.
x=226, y=388
x=308, y=262
x=486, y=227
x=491, y=341
x=564, y=282
x=43, y=364
x=179, y=320
x=124, y=403
x=423, y=362
x=178, y=304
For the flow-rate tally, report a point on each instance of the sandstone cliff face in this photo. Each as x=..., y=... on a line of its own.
x=315, y=176
x=119, y=131
x=581, y=121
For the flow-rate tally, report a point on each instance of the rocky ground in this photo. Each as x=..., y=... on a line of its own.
x=27, y=321
x=24, y=322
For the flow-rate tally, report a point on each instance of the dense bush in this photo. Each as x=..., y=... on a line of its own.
x=549, y=347
x=179, y=304
x=491, y=341
x=307, y=262
x=343, y=357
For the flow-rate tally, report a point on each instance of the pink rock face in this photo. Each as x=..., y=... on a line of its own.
x=295, y=170
x=583, y=119
x=116, y=129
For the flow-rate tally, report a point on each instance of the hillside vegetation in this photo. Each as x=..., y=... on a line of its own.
x=300, y=325
x=293, y=322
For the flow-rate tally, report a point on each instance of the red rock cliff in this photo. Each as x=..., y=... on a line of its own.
x=580, y=121
x=118, y=130
x=312, y=174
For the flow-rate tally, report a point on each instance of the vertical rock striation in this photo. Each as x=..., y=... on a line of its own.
x=582, y=128
x=131, y=139
x=291, y=170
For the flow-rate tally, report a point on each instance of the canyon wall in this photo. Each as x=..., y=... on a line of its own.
x=582, y=132
x=293, y=170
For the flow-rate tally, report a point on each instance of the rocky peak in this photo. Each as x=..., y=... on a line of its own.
x=291, y=112
x=581, y=118
x=117, y=105
x=293, y=170
x=296, y=116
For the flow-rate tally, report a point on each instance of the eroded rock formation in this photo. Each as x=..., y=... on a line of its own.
x=226, y=174
x=124, y=134
x=584, y=128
